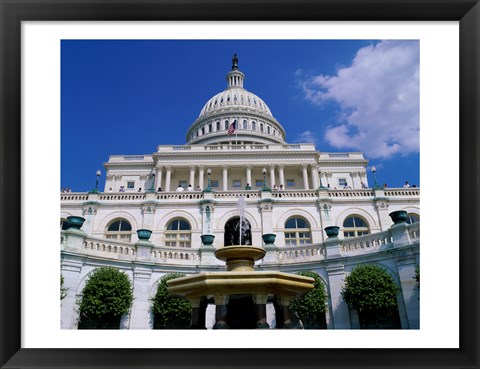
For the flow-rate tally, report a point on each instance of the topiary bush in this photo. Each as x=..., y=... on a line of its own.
x=170, y=311
x=311, y=307
x=107, y=295
x=372, y=291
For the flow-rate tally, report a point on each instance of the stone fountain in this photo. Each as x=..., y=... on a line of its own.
x=240, y=290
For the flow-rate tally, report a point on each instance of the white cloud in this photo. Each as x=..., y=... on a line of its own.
x=306, y=137
x=379, y=99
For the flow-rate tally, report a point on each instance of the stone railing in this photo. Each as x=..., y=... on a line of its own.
x=242, y=147
x=128, y=251
x=294, y=194
x=395, y=192
x=350, y=193
x=234, y=195
x=367, y=242
x=302, y=253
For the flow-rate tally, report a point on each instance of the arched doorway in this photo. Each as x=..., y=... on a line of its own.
x=232, y=232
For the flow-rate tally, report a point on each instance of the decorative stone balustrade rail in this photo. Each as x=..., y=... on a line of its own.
x=301, y=253
x=249, y=147
x=80, y=197
x=354, y=246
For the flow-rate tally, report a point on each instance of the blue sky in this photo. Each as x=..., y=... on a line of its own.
x=128, y=97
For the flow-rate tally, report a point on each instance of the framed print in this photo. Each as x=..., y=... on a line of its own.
x=73, y=61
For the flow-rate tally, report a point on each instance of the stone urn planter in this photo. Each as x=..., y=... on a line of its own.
x=332, y=231
x=399, y=216
x=144, y=234
x=269, y=238
x=75, y=222
x=207, y=239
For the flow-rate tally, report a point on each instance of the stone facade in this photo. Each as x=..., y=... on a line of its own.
x=296, y=192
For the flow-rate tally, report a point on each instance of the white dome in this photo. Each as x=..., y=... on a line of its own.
x=235, y=98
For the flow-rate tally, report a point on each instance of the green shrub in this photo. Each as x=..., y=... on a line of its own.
x=107, y=296
x=311, y=307
x=170, y=311
x=370, y=288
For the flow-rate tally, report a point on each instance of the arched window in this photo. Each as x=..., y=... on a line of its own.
x=119, y=229
x=412, y=218
x=261, y=127
x=245, y=124
x=218, y=126
x=297, y=232
x=355, y=226
x=178, y=234
x=254, y=126
x=226, y=125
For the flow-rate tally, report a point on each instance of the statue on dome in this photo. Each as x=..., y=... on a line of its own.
x=234, y=62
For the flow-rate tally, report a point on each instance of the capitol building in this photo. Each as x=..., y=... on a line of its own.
x=237, y=164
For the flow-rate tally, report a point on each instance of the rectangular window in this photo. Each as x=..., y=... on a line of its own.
x=214, y=183
x=210, y=129
x=237, y=183
x=259, y=182
x=218, y=126
x=290, y=183
x=342, y=182
x=130, y=184
x=183, y=184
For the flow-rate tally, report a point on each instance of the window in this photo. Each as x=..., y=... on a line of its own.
x=237, y=183
x=178, y=234
x=203, y=131
x=297, y=232
x=259, y=182
x=342, y=182
x=355, y=226
x=261, y=127
x=130, y=184
x=183, y=184
x=412, y=218
x=218, y=126
x=226, y=125
x=119, y=229
x=254, y=126
x=268, y=129
x=214, y=183
x=245, y=124
x=290, y=183
x=210, y=128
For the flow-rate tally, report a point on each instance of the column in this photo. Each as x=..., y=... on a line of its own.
x=168, y=178
x=192, y=176
x=70, y=270
x=284, y=302
x=314, y=175
x=225, y=177
x=198, y=313
x=248, y=168
x=261, y=310
x=305, y=176
x=336, y=276
x=140, y=312
x=281, y=175
x=201, y=174
x=89, y=213
x=221, y=302
x=158, y=177
x=406, y=264
x=272, y=175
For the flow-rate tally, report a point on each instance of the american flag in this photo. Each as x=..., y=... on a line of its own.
x=232, y=127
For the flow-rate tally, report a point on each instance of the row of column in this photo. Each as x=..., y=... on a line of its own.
x=314, y=176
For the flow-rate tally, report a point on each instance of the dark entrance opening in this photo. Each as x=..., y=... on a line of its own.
x=241, y=312
x=232, y=232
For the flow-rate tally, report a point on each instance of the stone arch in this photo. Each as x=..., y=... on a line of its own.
x=356, y=211
x=105, y=221
x=165, y=219
x=296, y=212
x=235, y=213
x=232, y=232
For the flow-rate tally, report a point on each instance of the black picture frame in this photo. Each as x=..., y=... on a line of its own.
x=13, y=12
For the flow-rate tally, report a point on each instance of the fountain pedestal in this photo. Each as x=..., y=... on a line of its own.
x=239, y=280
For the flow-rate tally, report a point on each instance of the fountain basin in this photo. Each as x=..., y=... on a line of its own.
x=240, y=283
x=240, y=258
